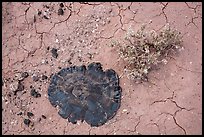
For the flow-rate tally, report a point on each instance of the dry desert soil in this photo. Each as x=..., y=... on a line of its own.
x=38, y=39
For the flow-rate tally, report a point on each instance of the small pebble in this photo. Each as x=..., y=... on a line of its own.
x=124, y=110
x=14, y=86
x=44, y=77
x=20, y=87
x=20, y=113
x=34, y=93
x=39, y=119
x=60, y=11
x=43, y=116
x=61, y=5
x=27, y=122
x=46, y=6
x=24, y=74
x=35, y=78
x=39, y=13
x=30, y=114
x=54, y=53
x=45, y=17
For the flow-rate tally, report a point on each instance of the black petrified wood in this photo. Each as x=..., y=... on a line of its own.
x=89, y=94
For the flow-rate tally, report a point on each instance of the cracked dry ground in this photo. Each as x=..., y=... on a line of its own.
x=82, y=33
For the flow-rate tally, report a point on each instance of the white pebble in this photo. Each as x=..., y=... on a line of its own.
x=43, y=61
x=28, y=35
x=164, y=61
x=124, y=110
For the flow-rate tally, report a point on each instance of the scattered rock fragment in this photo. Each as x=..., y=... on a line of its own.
x=21, y=76
x=27, y=122
x=35, y=78
x=60, y=11
x=45, y=17
x=30, y=114
x=16, y=86
x=124, y=110
x=61, y=5
x=46, y=6
x=54, y=53
x=69, y=61
x=44, y=117
x=39, y=13
x=20, y=86
x=39, y=119
x=20, y=113
x=44, y=77
x=34, y=18
x=24, y=75
x=34, y=93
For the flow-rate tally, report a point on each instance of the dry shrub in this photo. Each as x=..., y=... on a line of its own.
x=143, y=50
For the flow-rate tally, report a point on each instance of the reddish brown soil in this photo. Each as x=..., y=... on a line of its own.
x=169, y=104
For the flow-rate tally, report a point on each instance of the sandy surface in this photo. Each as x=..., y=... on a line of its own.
x=170, y=104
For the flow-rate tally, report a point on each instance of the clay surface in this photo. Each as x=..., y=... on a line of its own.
x=41, y=38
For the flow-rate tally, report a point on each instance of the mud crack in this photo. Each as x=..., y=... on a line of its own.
x=69, y=8
x=135, y=127
x=163, y=12
x=192, y=21
x=193, y=8
x=176, y=104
